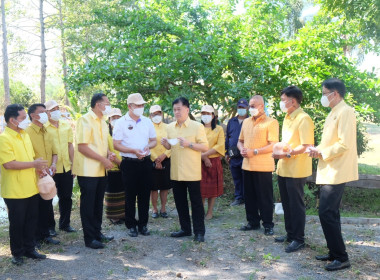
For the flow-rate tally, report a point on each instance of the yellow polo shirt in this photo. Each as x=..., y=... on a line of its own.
x=185, y=162
x=93, y=131
x=17, y=183
x=43, y=147
x=339, y=162
x=159, y=149
x=112, y=150
x=257, y=134
x=62, y=135
x=297, y=129
x=216, y=141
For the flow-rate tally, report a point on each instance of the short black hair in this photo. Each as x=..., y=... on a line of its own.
x=335, y=84
x=34, y=107
x=182, y=100
x=294, y=92
x=12, y=111
x=96, y=98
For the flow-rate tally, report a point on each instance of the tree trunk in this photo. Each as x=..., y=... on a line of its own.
x=43, y=53
x=5, y=57
x=64, y=61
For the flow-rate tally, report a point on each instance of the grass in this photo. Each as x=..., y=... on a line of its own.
x=369, y=169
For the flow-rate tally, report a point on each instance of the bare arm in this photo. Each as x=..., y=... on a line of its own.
x=39, y=164
x=71, y=152
x=121, y=148
x=88, y=152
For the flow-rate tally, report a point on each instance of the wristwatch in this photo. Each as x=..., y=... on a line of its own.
x=255, y=151
x=191, y=145
x=288, y=155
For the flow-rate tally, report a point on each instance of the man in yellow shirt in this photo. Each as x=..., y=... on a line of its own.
x=257, y=136
x=19, y=184
x=48, y=151
x=91, y=160
x=338, y=164
x=187, y=141
x=294, y=166
x=61, y=133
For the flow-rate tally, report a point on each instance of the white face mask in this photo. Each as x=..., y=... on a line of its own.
x=107, y=110
x=24, y=124
x=113, y=123
x=157, y=119
x=325, y=100
x=242, y=112
x=55, y=115
x=253, y=112
x=283, y=106
x=206, y=119
x=43, y=118
x=138, y=111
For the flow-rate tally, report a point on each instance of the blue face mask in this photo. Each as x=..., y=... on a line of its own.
x=242, y=112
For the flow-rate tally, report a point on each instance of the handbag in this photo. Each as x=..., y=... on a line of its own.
x=46, y=187
x=233, y=152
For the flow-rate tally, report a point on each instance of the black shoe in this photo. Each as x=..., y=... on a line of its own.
x=17, y=260
x=104, y=238
x=155, y=215
x=199, y=237
x=144, y=231
x=95, y=244
x=180, y=233
x=250, y=227
x=294, y=246
x=133, y=232
x=49, y=240
x=68, y=229
x=164, y=215
x=237, y=202
x=337, y=265
x=52, y=233
x=323, y=258
x=35, y=255
x=268, y=231
x=281, y=239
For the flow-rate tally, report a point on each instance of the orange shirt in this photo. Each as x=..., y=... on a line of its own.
x=257, y=134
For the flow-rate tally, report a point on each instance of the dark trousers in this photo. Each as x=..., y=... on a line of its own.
x=64, y=184
x=237, y=176
x=258, y=196
x=91, y=206
x=292, y=198
x=22, y=215
x=180, y=189
x=45, y=218
x=137, y=180
x=329, y=215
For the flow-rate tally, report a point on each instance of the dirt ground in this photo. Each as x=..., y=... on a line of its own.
x=227, y=253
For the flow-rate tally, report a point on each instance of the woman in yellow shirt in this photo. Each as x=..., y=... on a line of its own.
x=212, y=170
x=115, y=195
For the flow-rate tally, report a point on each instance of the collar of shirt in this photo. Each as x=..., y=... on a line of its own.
x=259, y=119
x=186, y=123
x=128, y=118
x=294, y=114
x=37, y=129
x=338, y=106
x=13, y=133
x=92, y=114
x=157, y=124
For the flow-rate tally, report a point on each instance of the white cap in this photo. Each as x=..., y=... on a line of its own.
x=135, y=98
x=50, y=104
x=115, y=112
x=155, y=108
x=207, y=108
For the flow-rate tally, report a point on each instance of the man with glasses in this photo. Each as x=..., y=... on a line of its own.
x=91, y=160
x=337, y=165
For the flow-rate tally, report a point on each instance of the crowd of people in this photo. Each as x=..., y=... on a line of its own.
x=132, y=157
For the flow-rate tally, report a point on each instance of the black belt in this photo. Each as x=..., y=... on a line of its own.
x=136, y=159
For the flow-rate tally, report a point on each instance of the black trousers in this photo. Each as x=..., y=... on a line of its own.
x=91, y=205
x=180, y=189
x=45, y=218
x=292, y=198
x=137, y=180
x=64, y=184
x=258, y=196
x=23, y=216
x=237, y=176
x=329, y=215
